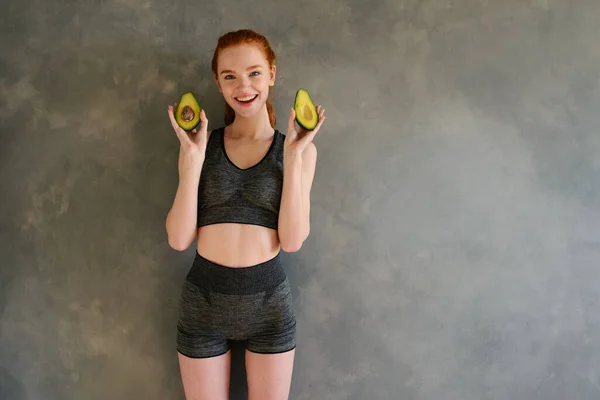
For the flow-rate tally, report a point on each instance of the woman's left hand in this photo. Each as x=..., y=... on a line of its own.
x=297, y=138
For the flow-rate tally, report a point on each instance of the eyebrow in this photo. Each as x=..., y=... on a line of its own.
x=228, y=71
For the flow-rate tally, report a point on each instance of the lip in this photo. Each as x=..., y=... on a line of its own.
x=248, y=103
x=245, y=95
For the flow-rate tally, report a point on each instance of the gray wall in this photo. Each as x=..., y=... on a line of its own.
x=454, y=251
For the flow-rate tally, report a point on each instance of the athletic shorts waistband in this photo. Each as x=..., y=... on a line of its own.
x=218, y=278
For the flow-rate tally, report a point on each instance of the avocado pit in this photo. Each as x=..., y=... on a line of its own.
x=187, y=114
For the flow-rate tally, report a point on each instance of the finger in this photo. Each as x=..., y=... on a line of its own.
x=310, y=135
x=321, y=120
x=322, y=117
x=172, y=118
x=292, y=117
x=314, y=131
x=201, y=131
x=292, y=122
x=181, y=134
x=174, y=124
x=321, y=111
x=203, y=122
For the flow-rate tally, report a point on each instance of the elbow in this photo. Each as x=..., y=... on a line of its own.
x=179, y=245
x=293, y=244
x=179, y=242
x=291, y=247
x=179, y=239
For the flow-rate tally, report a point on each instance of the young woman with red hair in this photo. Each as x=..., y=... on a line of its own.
x=244, y=194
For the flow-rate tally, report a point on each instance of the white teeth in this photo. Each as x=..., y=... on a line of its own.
x=247, y=98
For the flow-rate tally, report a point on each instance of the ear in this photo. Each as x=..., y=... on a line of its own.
x=273, y=74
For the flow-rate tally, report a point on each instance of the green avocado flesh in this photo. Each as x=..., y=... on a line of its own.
x=187, y=114
x=306, y=112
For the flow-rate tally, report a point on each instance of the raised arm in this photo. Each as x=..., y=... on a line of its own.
x=182, y=217
x=299, y=163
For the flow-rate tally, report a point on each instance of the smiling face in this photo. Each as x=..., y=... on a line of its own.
x=244, y=78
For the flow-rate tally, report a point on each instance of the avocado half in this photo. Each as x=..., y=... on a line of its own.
x=306, y=112
x=188, y=110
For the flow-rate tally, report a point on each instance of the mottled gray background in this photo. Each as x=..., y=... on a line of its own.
x=455, y=243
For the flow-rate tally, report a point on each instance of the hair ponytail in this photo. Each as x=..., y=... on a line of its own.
x=229, y=114
x=249, y=37
x=271, y=112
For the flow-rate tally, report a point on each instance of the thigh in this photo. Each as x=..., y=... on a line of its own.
x=203, y=351
x=269, y=375
x=270, y=350
x=273, y=323
x=205, y=378
x=198, y=329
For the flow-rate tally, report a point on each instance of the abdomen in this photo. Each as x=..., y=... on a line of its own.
x=237, y=245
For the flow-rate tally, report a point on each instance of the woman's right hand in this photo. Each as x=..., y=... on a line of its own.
x=193, y=144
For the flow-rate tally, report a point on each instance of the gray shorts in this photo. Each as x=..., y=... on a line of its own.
x=220, y=303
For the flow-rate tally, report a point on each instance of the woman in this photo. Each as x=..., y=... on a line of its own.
x=244, y=194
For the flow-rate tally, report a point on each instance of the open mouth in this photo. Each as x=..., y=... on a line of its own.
x=246, y=99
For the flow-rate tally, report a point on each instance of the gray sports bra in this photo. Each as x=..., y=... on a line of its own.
x=230, y=194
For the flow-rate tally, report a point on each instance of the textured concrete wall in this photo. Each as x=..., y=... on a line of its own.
x=454, y=251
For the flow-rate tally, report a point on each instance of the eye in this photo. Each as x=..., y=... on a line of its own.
x=229, y=76
x=254, y=73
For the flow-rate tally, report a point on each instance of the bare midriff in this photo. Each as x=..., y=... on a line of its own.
x=237, y=245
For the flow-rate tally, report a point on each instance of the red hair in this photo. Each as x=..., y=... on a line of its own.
x=244, y=36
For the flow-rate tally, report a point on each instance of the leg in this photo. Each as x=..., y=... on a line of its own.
x=270, y=350
x=203, y=352
x=205, y=378
x=269, y=375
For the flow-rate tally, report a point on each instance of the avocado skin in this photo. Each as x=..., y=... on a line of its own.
x=302, y=98
x=188, y=99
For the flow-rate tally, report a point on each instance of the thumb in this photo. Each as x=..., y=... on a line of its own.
x=292, y=122
x=203, y=122
x=201, y=130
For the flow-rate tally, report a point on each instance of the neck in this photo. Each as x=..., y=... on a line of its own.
x=256, y=127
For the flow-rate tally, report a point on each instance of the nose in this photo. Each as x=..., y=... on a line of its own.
x=244, y=81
